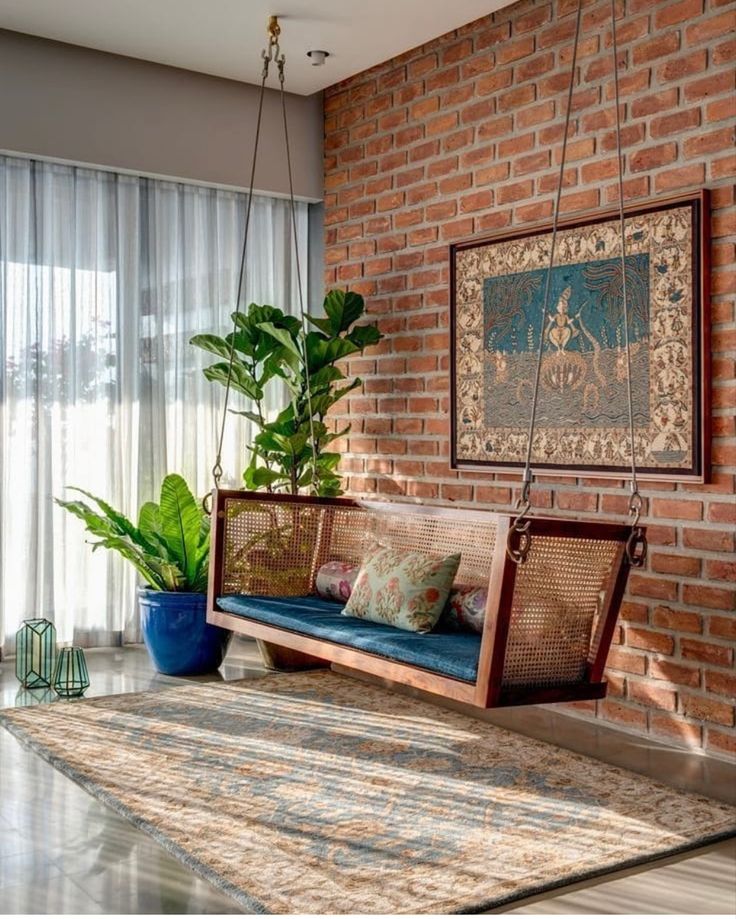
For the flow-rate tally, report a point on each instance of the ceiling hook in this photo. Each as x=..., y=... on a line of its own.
x=274, y=30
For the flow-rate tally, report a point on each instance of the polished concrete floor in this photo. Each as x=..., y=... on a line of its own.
x=63, y=852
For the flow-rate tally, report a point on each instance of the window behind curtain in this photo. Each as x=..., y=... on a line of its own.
x=104, y=278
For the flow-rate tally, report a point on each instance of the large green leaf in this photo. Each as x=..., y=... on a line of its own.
x=321, y=351
x=241, y=379
x=364, y=335
x=215, y=344
x=323, y=323
x=120, y=523
x=324, y=377
x=282, y=336
x=263, y=477
x=251, y=416
x=181, y=519
x=343, y=308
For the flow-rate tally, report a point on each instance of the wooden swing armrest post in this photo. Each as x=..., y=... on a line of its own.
x=497, y=621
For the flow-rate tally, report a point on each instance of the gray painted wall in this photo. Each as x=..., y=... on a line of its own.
x=66, y=102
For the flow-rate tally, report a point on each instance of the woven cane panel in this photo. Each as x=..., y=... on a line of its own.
x=270, y=548
x=557, y=597
x=416, y=532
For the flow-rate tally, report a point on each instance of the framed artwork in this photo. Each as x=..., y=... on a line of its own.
x=582, y=422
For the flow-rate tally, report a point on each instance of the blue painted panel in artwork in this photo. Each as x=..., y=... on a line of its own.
x=583, y=379
x=514, y=302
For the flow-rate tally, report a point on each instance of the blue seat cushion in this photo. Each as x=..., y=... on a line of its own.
x=454, y=654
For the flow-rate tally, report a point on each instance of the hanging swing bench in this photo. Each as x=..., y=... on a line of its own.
x=554, y=586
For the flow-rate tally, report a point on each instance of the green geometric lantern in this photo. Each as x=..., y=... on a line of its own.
x=35, y=653
x=71, y=677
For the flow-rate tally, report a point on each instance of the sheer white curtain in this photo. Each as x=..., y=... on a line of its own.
x=104, y=278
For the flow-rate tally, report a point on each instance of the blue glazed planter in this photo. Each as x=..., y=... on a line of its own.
x=177, y=635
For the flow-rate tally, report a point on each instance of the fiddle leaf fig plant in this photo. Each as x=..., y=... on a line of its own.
x=169, y=546
x=291, y=450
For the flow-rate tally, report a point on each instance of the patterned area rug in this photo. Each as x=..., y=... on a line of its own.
x=313, y=793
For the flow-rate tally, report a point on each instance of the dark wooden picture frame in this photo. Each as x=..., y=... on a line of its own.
x=468, y=308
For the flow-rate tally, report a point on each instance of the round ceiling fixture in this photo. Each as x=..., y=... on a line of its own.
x=318, y=57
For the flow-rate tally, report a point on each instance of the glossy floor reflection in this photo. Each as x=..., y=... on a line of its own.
x=63, y=852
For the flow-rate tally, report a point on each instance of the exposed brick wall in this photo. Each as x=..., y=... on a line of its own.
x=461, y=137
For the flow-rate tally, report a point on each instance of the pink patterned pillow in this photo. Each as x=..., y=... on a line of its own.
x=335, y=581
x=404, y=589
x=466, y=609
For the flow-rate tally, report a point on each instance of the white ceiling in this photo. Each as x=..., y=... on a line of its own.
x=225, y=37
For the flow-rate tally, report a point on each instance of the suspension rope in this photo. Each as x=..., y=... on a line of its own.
x=272, y=53
x=281, y=61
x=636, y=547
x=520, y=525
x=267, y=55
x=518, y=541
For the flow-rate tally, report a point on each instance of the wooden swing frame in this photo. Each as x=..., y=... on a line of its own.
x=488, y=690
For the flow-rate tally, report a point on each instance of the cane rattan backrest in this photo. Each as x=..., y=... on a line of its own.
x=276, y=548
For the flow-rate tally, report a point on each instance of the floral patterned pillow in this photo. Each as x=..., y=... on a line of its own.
x=466, y=609
x=407, y=590
x=335, y=580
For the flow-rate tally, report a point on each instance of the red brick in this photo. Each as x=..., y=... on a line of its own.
x=686, y=565
x=677, y=12
x=655, y=102
x=624, y=714
x=685, y=66
x=652, y=694
x=648, y=640
x=679, y=510
x=705, y=709
x=577, y=501
x=722, y=513
x=713, y=85
x=479, y=111
x=659, y=46
x=627, y=661
x=692, y=649
x=710, y=597
x=643, y=586
x=724, y=139
x=711, y=540
x=634, y=612
x=722, y=626
x=652, y=157
x=678, y=620
x=674, y=123
x=675, y=727
x=713, y=27
x=514, y=192
x=677, y=674
x=720, y=742
x=721, y=683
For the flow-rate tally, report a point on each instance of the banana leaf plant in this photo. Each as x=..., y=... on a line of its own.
x=169, y=546
x=291, y=450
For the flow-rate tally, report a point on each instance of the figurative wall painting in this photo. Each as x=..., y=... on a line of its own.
x=498, y=293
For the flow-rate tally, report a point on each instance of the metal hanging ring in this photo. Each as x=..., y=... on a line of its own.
x=207, y=503
x=637, y=547
x=636, y=544
x=518, y=542
x=518, y=539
